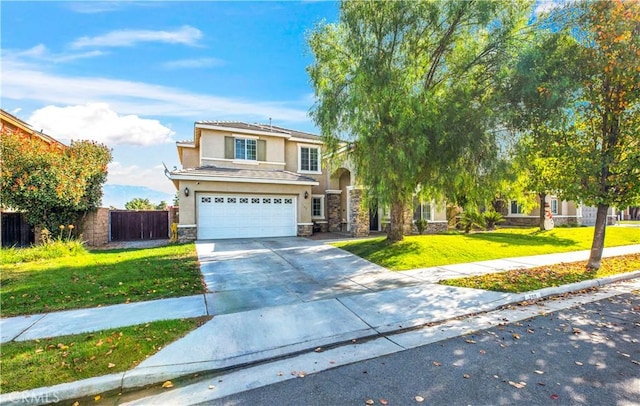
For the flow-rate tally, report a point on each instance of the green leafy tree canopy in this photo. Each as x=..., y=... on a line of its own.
x=51, y=185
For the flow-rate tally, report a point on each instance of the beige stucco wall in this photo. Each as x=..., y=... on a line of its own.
x=439, y=213
x=188, y=206
x=189, y=158
x=565, y=208
x=212, y=151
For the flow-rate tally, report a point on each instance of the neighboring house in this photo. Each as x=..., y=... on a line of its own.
x=13, y=228
x=241, y=180
x=563, y=212
x=11, y=123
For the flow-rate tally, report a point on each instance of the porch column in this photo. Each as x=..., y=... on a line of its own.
x=334, y=216
x=358, y=214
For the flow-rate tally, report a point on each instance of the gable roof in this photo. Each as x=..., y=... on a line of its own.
x=248, y=128
x=14, y=123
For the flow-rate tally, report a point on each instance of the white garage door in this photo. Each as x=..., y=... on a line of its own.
x=246, y=216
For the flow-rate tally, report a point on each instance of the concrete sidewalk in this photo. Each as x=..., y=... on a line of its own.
x=268, y=333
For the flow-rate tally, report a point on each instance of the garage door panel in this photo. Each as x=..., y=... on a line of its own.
x=246, y=216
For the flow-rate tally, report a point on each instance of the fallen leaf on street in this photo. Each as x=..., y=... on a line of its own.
x=538, y=372
x=516, y=336
x=383, y=401
x=518, y=385
x=369, y=402
x=419, y=399
x=470, y=341
x=579, y=363
x=167, y=384
x=211, y=387
x=554, y=396
x=436, y=363
x=466, y=376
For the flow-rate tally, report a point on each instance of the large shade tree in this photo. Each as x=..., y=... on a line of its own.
x=601, y=152
x=539, y=90
x=52, y=186
x=407, y=87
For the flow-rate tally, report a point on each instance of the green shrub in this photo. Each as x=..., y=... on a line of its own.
x=472, y=219
x=421, y=225
x=491, y=218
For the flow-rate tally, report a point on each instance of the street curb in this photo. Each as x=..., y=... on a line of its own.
x=116, y=382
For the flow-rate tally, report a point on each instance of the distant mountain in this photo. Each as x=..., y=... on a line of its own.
x=118, y=195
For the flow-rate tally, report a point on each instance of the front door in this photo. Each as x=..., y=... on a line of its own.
x=373, y=219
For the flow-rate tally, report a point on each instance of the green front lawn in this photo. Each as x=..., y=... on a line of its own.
x=93, y=278
x=526, y=280
x=421, y=251
x=50, y=361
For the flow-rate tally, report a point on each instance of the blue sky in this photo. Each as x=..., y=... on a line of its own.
x=136, y=75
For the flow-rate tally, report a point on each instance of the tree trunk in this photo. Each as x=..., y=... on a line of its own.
x=543, y=197
x=396, y=222
x=598, y=237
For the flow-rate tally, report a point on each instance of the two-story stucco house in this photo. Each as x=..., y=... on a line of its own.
x=241, y=180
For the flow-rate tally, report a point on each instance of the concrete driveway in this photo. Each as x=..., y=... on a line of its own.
x=253, y=273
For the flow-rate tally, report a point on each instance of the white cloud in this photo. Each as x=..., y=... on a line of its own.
x=193, y=63
x=96, y=121
x=26, y=81
x=134, y=175
x=186, y=35
x=92, y=7
x=42, y=54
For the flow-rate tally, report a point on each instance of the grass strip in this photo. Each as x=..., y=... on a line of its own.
x=422, y=251
x=525, y=280
x=101, y=277
x=51, y=361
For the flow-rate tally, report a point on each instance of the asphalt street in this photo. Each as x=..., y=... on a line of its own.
x=587, y=355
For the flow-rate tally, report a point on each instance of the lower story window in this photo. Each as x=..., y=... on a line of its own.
x=421, y=211
x=515, y=207
x=317, y=207
x=554, y=206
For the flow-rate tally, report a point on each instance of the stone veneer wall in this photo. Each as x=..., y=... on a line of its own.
x=333, y=212
x=305, y=230
x=186, y=234
x=95, y=227
x=530, y=221
x=359, y=216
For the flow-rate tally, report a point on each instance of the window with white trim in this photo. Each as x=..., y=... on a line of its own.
x=421, y=210
x=245, y=149
x=515, y=207
x=309, y=159
x=317, y=207
x=554, y=206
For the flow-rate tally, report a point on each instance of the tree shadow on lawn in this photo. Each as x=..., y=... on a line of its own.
x=532, y=240
x=88, y=285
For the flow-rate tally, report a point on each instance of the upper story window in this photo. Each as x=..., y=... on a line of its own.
x=515, y=207
x=245, y=149
x=309, y=159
